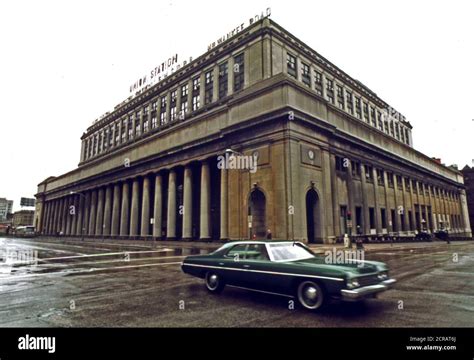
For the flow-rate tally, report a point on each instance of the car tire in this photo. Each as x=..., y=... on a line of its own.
x=214, y=283
x=310, y=295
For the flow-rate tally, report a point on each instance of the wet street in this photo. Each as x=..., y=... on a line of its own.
x=108, y=284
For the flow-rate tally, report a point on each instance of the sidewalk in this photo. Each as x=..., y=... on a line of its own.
x=377, y=247
x=318, y=248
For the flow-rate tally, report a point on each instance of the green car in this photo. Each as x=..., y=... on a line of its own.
x=290, y=269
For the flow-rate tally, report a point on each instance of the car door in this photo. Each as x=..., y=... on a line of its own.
x=258, y=269
x=233, y=266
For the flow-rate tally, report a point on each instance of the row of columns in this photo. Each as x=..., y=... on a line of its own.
x=122, y=210
x=429, y=208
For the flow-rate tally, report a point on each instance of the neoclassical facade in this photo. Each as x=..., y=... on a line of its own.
x=332, y=157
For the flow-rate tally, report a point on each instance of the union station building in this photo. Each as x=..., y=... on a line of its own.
x=332, y=157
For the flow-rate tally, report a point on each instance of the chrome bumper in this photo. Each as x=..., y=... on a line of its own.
x=365, y=291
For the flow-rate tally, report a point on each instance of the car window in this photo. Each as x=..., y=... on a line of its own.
x=237, y=252
x=256, y=252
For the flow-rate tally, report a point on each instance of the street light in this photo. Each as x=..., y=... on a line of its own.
x=82, y=215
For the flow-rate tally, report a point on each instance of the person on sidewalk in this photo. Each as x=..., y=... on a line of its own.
x=269, y=234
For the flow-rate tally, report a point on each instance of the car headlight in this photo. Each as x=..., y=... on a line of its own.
x=352, y=283
x=383, y=275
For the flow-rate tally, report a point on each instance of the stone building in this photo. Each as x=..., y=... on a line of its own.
x=6, y=208
x=23, y=218
x=327, y=149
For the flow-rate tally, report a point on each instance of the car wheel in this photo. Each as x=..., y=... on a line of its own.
x=310, y=295
x=214, y=283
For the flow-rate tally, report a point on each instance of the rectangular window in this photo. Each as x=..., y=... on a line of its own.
x=196, y=92
x=130, y=127
x=145, y=119
x=372, y=115
x=366, y=112
x=124, y=128
x=402, y=134
x=386, y=127
x=399, y=182
x=383, y=218
x=318, y=82
x=368, y=173
x=184, y=110
x=305, y=74
x=341, y=163
x=380, y=180
x=407, y=184
x=392, y=128
x=239, y=72
x=397, y=131
x=340, y=97
x=223, y=80
x=358, y=220
x=379, y=119
x=407, y=139
x=330, y=90
x=173, y=105
x=163, y=119
x=209, y=87
x=372, y=217
x=358, y=108
x=390, y=179
x=138, y=128
x=355, y=168
x=350, y=106
x=184, y=91
x=154, y=122
x=291, y=65
x=117, y=133
x=111, y=136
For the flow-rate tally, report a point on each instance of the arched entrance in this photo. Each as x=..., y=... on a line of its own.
x=313, y=217
x=257, y=213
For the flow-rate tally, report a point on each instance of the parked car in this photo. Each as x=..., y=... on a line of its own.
x=288, y=268
x=423, y=236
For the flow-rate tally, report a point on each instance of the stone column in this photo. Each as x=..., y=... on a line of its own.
x=378, y=223
x=69, y=216
x=205, y=206
x=224, y=205
x=157, y=206
x=365, y=205
x=79, y=214
x=171, y=226
x=145, y=228
x=92, y=212
x=64, y=215
x=57, y=209
x=334, y=198
x=115, y=230
x=74, y=216
x=125, y=214
x=87, y=202
x=107, y=210
x=99, y=225
x=135, y=208
x=188, y=204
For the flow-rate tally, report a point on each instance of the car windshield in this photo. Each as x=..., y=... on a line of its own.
x=289, y=252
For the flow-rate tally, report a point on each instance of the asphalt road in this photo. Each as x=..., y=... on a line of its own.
x=113, y=285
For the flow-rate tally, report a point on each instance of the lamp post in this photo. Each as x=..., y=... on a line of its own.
x=82, y=217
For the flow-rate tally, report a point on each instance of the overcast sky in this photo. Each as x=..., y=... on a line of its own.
x=65, y=63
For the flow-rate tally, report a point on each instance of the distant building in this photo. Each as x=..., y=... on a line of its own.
x=23, y=218
x=468, y=173
x=6, y=207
